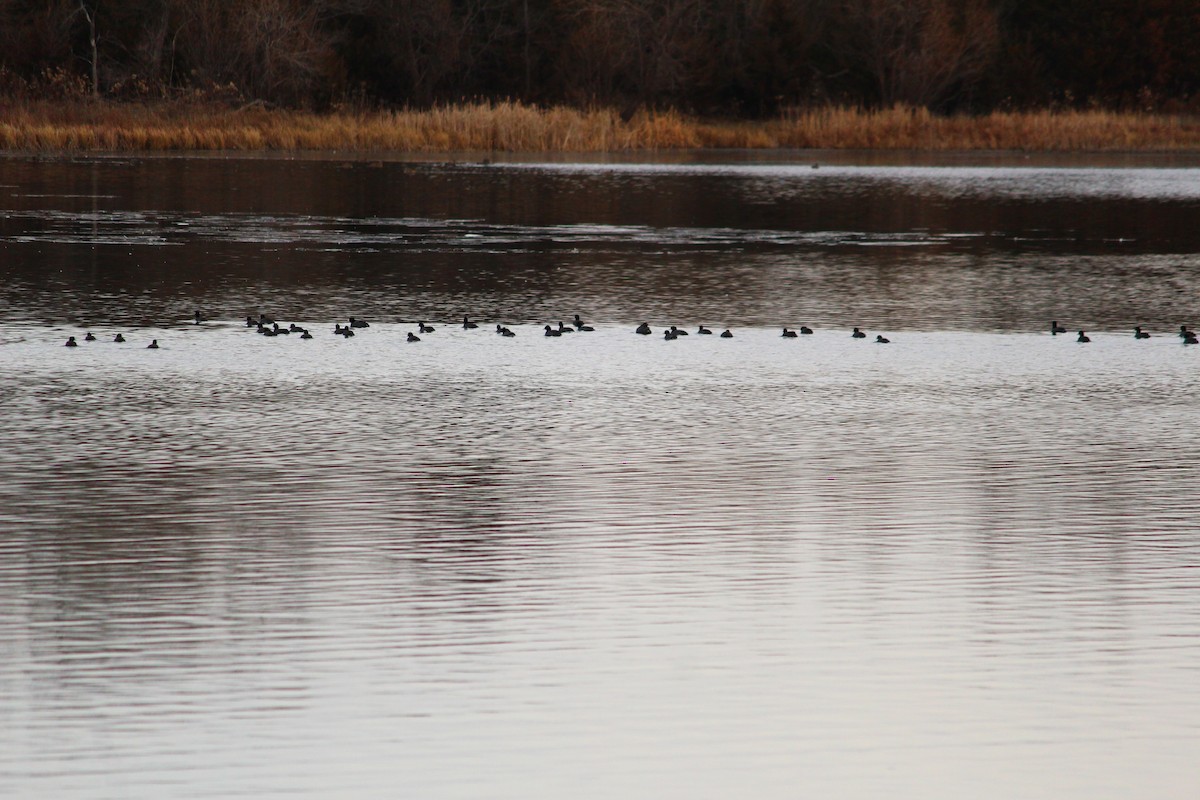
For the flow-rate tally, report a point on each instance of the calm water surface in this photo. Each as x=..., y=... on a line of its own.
x=964, y=564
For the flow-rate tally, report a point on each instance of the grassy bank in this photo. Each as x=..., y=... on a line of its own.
x=99, y=126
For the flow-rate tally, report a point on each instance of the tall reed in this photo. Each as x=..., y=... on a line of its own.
x=515, y=127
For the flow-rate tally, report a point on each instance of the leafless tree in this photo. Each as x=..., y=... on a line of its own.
x=635, y=49
x=756, y=55
x=919, y=52
x=276, y=50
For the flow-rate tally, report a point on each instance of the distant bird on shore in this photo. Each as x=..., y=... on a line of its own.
x=198, y=317
x=1083, y=337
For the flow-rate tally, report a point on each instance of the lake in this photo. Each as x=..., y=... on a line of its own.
x=965, y=563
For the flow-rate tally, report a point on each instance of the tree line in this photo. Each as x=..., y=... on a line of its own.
x=741, y=58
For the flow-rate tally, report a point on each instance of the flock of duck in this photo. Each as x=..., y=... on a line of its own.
x=1185, y=333
x=267, y=326
x=91, y=337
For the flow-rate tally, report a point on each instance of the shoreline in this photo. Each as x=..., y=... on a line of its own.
x=492, y=129
x=814, y=159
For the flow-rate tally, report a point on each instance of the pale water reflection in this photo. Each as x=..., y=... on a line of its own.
x=602, y=565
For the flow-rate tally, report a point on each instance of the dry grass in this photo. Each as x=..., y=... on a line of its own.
x=513, y=127
x=904, y=128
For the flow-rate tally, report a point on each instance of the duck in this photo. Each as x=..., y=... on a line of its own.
x=250, y=321
x=726, y=334
x=670, y=334
x=703, y=331
x=294, y=328
x=1056, y=329
x=563, y=328
x=506, y=332
x=306, y=335
x=1191, y=339
x=788, y=334
x=359, y=323
x=89, y=337
x=579, y=325
x=1185, y=332
x=644, y=329
x=118, y=338
x=153, y=345
x=678, y=332
x=1138, y=333
x=882, y=340
x=1083, y=337
x=423, y=328
x=857, y=334
x=468, y=325
x=265, y=320
x=198, y=317
x=552, y=332
x=71, y=342
x=412, y=337
x=805, y=330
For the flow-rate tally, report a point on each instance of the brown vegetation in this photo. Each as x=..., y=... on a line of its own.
x=514, y=127
x=729, y=58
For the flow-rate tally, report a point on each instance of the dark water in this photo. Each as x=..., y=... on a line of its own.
x=923, y=248
x=966, y=563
